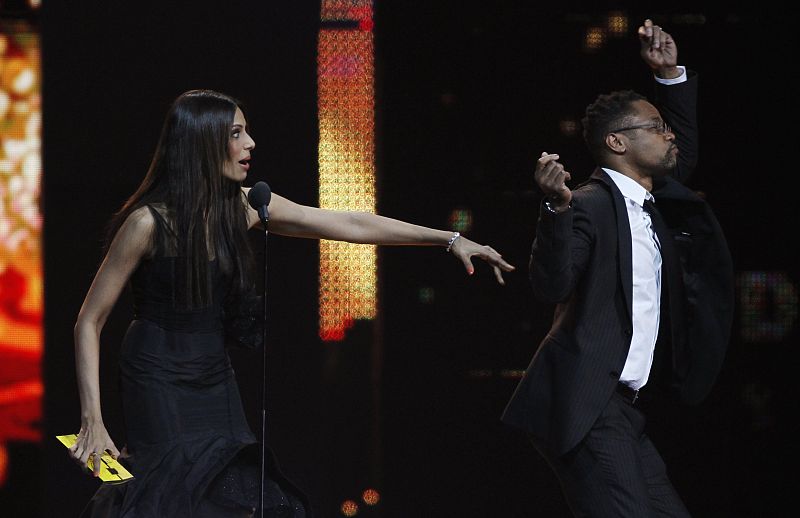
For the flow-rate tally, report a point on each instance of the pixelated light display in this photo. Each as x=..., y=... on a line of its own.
x=426, y=295
x=346, y=104
x=349, y=508
x=594, y=39
x=371, y=497
x=484, y=374
x=568, y=127
x=460, y=220
x=768, y=305
x=21, y=293
x=617, y=24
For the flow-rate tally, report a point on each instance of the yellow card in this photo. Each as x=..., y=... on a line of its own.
x=110, y=469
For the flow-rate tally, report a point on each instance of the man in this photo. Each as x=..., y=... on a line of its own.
x=643, y=296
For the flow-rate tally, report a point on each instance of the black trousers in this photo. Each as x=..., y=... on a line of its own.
x=616, y=470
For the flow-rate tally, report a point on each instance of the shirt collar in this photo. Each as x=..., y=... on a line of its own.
x=629, y=187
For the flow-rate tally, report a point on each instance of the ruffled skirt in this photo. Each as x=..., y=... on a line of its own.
x=189, y=447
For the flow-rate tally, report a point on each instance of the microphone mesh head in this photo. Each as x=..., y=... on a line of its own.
x=259, y=195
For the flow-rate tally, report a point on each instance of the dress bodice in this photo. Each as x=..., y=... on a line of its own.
x=155, y=286
x=159, y=286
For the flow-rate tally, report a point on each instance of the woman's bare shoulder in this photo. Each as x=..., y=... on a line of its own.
x=138, y=224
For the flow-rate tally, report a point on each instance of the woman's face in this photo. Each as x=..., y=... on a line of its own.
x=239, y=146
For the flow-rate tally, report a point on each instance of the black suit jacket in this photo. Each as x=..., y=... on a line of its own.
x=581, y=261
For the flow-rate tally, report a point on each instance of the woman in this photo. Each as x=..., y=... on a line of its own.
x=181, y=242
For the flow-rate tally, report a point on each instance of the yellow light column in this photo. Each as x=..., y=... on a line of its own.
x=348, y=272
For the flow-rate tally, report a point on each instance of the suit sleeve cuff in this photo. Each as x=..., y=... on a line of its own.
x=675, y=80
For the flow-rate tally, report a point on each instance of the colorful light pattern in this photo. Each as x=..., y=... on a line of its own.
x=371, y=497
x=21, y=293
x=617, y=24
x=768, y=305
x=349, y=508
x=594, y=39
x=460, y=220
x=346, y=104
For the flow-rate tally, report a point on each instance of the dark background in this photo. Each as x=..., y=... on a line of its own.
x=468, y=94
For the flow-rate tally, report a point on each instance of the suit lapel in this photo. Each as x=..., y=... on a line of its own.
x=624, y=251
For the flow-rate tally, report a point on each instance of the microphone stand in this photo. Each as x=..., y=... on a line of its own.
x=265, y=222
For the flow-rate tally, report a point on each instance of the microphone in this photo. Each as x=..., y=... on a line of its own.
x=258, y=198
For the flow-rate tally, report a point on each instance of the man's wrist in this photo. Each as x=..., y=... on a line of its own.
x=555, y=207
x=668, y=72
x=670, y=75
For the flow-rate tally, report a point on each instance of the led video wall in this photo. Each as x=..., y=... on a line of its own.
x=21, y=301
x=346, y=104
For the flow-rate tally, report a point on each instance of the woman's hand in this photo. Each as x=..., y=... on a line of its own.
x=466, y=249
x=93, y=440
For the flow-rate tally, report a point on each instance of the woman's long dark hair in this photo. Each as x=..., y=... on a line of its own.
x=205, y=210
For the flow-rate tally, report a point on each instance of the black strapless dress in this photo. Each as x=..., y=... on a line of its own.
x=189, y=446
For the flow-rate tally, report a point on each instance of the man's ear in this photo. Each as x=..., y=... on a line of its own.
x=616, y=144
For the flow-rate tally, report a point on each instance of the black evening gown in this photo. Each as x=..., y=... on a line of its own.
x=189, y=446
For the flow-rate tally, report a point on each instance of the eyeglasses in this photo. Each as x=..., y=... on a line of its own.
x=660, y=127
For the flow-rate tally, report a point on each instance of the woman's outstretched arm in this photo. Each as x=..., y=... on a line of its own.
x=292, y=219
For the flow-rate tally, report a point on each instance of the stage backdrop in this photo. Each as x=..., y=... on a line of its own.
x=466, y=96
x=21, y=290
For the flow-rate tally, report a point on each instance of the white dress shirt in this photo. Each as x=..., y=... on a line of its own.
x=646, y=261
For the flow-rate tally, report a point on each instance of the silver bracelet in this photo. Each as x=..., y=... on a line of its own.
x=453, y=238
